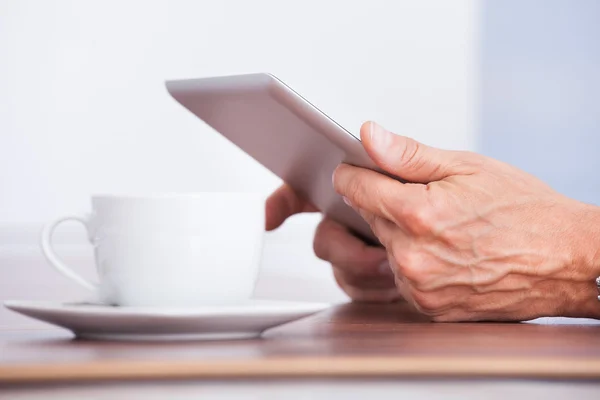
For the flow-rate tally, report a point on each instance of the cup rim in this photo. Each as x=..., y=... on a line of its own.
x=170, y=195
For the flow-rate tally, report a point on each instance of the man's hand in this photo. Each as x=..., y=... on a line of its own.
x=362, y=271
x=473, y=238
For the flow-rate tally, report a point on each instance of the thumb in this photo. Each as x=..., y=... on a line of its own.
x=410, y=160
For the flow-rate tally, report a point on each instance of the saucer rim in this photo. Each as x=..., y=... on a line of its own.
x=268, y=307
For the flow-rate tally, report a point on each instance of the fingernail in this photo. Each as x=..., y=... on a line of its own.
x=379, y=137
x=348, y=203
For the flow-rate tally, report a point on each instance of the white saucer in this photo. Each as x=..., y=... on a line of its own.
x=93, y=321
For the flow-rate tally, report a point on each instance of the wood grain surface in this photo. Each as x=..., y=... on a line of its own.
x=350, y=340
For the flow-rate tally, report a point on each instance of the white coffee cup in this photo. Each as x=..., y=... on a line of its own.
x=170, y=250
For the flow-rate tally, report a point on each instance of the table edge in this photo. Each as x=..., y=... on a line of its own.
x=308, y=367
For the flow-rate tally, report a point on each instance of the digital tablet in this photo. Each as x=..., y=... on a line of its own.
x=283, y=131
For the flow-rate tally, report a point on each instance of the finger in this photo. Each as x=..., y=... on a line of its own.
x=369, y=295
x=413, y=161
x=335, y=244
x=376, y=193
x=382, y=228
x=372, y=296
x=383, y=280
x=404, y=291
x=282, y=204
x=402, y=285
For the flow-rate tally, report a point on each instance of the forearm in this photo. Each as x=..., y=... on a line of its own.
x=586, y=246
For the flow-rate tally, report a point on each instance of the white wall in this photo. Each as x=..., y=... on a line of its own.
x=83, y=108
x=541, y=90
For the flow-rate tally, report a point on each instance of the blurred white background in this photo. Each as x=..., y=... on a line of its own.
x=83, y=108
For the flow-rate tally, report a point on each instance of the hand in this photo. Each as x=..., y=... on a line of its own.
x=473, y=238
x=362, y=271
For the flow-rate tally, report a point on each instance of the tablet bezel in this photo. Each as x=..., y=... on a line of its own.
x=209, y=100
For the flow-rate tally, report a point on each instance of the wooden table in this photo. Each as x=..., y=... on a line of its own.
x=352, y=340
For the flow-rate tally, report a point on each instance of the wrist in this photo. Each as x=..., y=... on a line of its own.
x=586, y=265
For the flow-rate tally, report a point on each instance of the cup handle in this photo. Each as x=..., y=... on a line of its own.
x=54, y=260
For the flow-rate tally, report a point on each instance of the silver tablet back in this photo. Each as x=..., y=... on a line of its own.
x=282, y=131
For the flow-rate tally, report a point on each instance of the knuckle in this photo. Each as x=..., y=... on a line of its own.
x=410, y=263
x=468, y=162
x=428, y=303
x=420, y=219
x=405, y=212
